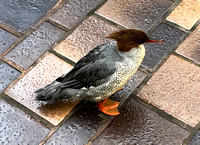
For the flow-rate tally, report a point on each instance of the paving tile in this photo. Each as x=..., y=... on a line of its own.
x=77, y=130
x=89, y=34
x=18, y=128
x=139, y=125
x=190, y=48
x=174, y=88
x=6, y=40
x=156, y=51
x=7, y=74
x=196, y=139
x=46, y=71
x=186, y=14
x=137, y=14
x=22, y=15
x=35, y=45
x=131, y=85
x=73, y=12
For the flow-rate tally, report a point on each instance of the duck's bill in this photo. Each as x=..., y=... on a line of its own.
x=154, y=41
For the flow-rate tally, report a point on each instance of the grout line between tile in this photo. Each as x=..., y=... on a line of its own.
x=176, y=26
x=52, y=131
x=164, y=114
x=100, y=130
x=58, y=25
x=23, y=71
x=62, y=57
x=186, y=59
x=19, y=68
x=109, y=21
x=10, y=29
x=55, y=128
x=187, y=140
x=33, y=28
x=26, y=110
x=81, y=21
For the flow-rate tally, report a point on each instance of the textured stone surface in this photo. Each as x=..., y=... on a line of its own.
x=7, y=74
x=191, y=46
x=137, y=14
x=186, y=14
x=6, y=40
x=174, y=88
x=73, y=12
x=77, y=130
x=23, y=14
x=156, y=51
x=138, y=125
x=196, y=139
x=46, y=71
x=18, y=128
x=35, y=45
x=131, y=85
x=89, y=34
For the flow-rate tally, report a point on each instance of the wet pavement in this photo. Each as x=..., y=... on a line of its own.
x=41, y=40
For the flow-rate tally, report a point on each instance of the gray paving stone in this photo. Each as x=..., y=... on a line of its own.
x=196, y=139
x=77, y=130
x=22, y=15
x=7, y=75
x=138, y=125
x=35, y=45
x=6, y=40
x=156, y=51
x=18, y=128
x=73, y=12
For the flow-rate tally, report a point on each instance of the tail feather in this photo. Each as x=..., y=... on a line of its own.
x=56, y=91
x=50, y=92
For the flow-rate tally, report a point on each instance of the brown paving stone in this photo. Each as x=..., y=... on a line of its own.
x=191, y=46
x=73, y=12
x=138, y=14
x=35, y=45
x=18, y=128
x=77, y=130
x=186, y=14
x=139, y=125
x=89, y=34
x=175, y=88
x=47, y=70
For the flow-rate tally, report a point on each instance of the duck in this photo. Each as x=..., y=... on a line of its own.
x=102, y=72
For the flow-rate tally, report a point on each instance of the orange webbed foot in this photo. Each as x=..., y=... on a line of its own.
x=109, y=107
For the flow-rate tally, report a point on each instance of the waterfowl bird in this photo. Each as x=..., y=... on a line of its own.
x=102, y=72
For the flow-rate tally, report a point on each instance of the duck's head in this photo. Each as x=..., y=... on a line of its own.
x=128, y=39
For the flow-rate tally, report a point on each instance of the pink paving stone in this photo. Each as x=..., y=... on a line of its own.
x=191, y=46
x=175, y=88
x=48, y=69
x=89, y=34
x=186, y=14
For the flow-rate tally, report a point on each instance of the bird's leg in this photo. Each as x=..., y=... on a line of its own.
x=108, y=107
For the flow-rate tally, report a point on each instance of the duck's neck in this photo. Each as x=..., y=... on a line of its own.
x=125, y=47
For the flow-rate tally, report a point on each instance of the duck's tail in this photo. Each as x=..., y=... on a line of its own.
x=55, y=91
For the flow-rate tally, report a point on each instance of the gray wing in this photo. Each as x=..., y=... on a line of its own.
x=92, y=70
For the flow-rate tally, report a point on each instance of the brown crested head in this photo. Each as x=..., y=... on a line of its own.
x=130, y=38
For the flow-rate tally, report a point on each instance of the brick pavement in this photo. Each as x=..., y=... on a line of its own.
x=42, y=40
